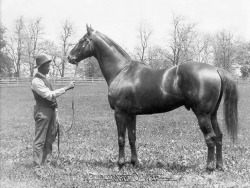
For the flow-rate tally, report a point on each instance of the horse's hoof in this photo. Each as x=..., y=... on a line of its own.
x=220, y=168
x=209, y=169
x=135, y=164
x=120, y=165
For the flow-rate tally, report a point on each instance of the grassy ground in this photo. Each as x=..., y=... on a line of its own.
x=171, y=147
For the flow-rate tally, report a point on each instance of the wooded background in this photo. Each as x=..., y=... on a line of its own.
x=20, y=45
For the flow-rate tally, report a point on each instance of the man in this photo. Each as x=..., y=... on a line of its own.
x=45, y=111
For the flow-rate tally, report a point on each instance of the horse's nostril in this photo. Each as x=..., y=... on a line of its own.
x=71, y=60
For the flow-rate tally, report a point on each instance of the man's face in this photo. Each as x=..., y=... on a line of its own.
x=46, y=68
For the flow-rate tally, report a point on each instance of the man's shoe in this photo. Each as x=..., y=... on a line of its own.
x=35, y=164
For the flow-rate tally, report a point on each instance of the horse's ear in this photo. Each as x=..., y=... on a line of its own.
x=89, y=29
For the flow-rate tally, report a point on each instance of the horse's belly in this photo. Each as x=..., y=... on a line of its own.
x=158, y=106
x=146, y=104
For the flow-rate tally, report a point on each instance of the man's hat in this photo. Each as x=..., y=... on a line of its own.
x=40, y=60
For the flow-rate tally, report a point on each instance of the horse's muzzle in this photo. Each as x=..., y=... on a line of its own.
x=71, y=60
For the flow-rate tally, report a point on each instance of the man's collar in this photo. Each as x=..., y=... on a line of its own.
x=42, y=75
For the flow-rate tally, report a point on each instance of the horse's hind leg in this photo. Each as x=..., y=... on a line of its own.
x=207, y=129
x=218, y=141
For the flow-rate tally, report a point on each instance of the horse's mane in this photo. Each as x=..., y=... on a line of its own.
x=123, y=52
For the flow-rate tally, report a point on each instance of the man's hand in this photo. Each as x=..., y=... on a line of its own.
x=70, y=86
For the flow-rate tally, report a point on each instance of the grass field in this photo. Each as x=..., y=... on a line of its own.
x=171, y=147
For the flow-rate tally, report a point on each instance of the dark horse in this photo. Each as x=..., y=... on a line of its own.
x=134, y=89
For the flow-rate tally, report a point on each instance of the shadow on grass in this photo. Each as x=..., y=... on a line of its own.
x=171, y=167
x=145, y=165
x=88, y=163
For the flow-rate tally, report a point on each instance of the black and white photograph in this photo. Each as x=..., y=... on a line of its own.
x=125, y=93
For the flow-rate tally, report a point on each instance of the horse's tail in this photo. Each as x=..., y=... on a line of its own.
x=230, y=108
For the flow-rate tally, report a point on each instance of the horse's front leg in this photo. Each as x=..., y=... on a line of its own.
x=125, y=120
x=131, y=125
x=120, y=118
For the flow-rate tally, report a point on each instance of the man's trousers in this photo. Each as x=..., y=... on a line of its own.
x=45, y=133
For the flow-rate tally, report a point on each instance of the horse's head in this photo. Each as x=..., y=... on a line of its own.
x=83, y=49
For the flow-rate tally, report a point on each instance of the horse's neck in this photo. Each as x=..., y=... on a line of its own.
x=110, y=59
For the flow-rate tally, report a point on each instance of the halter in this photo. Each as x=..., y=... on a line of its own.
x=89, y=40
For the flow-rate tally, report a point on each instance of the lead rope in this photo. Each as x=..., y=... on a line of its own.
x=73, y=116
x=73, y=102
x=58, y=133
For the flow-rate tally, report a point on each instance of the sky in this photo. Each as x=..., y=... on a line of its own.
x=119, y=19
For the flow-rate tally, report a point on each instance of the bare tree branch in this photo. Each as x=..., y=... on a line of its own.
x=181, y=38
x=34, y=33
x=145, y=32
x=15, y=46
x=65, y=36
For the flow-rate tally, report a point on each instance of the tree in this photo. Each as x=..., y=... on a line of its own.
x=157, y=58
x=243, y=52
x=53, y=51
x=5, y=61
x=65, y=36
x=90, y=68
x=201, y=48
x=33, y=44
x=145, y=32
x=224, y=50
x=245, y=69
x=180, y=40
x=15, y=46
